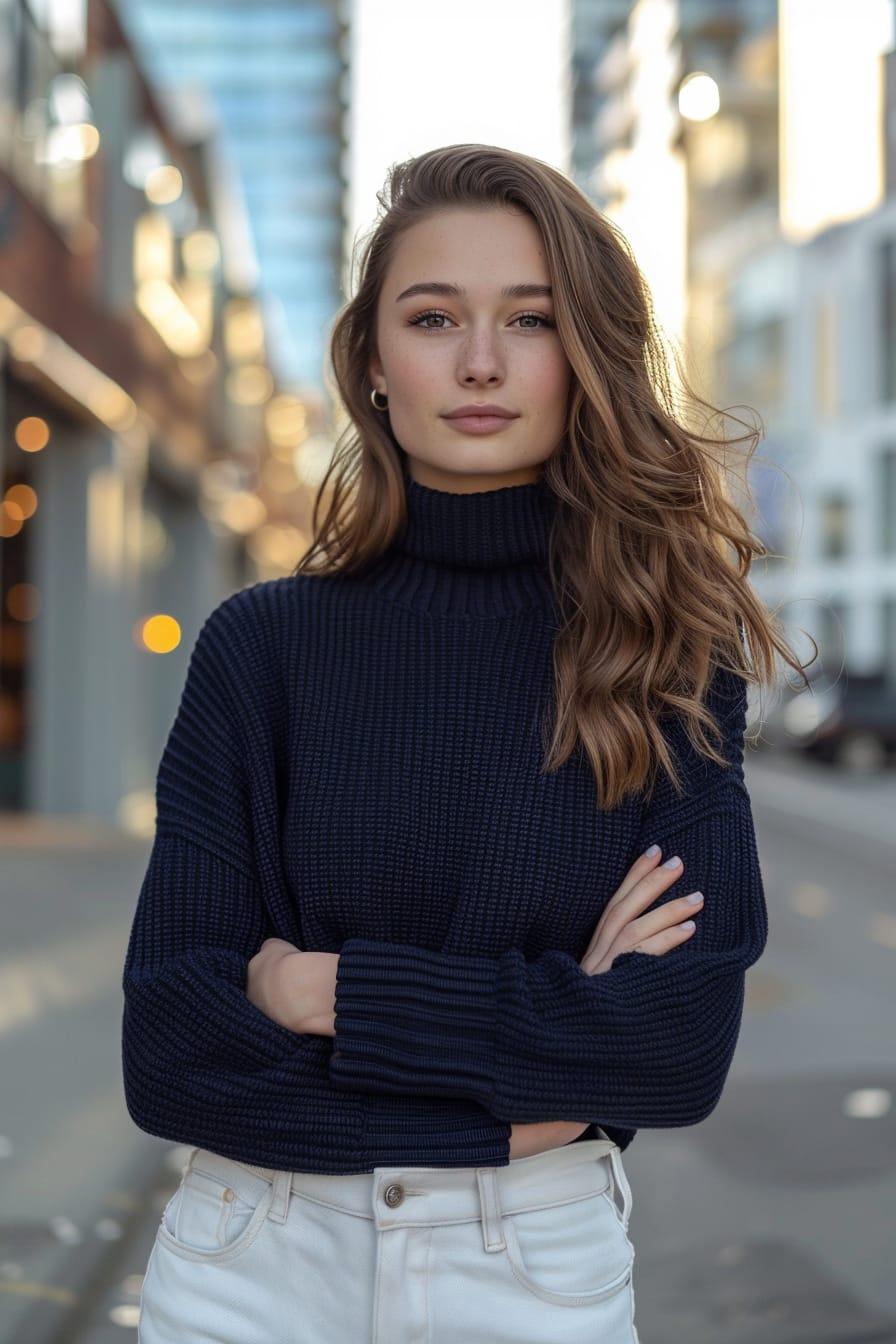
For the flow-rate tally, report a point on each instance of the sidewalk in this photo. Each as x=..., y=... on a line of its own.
x=861, y=806
x=75, y=1286
x=74, y=1168
x=36, y=830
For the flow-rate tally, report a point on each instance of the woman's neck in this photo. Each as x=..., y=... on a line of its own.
x=478, y=554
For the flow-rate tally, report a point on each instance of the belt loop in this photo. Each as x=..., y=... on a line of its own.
x=490, y=1206
x=280, y=1198
x=622, y=1185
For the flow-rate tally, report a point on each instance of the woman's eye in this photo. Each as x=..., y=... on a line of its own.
x=430, y=321
x=532, y=321
x=436, y=321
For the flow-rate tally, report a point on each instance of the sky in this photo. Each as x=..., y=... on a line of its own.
x=425, y=74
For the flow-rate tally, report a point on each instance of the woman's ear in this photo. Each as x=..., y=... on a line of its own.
x=375, y=369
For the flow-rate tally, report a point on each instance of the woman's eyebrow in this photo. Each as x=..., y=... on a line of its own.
x=457, y=292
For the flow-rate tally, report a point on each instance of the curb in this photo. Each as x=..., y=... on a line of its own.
x=861, y=814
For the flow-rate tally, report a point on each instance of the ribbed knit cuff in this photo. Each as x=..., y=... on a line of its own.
x=411, y=1020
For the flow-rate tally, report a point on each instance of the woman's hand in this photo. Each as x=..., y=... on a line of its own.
x=623, y=927
x=527, y=1140
x=296, y=989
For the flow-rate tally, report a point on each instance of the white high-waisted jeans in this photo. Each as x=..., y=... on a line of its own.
x=536, y=1252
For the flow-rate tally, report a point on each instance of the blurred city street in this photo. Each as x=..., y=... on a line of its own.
x=70, y=1154
x=772, y=1221
x=183, y=186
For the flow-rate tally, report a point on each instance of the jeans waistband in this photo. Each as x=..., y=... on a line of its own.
x=421, y=1196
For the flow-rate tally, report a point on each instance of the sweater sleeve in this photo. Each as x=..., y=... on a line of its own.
x=646, y=1044
x=201, y=1064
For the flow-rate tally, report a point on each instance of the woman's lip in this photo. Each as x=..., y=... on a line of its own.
x=480, y=424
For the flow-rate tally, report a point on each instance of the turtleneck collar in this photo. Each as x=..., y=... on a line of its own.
x=480, y=554
x=487, y=529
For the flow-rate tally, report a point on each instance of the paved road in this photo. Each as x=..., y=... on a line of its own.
x=774, y=1222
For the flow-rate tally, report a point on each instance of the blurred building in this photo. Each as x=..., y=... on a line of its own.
x=782, y=292
x=626, y=71
x=594, y=23
x=842, y=387
x=696, y=170
x=756, y=132
x=274, y=73
x=147, y=455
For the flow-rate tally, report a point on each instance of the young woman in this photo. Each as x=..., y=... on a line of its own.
x=454, y=883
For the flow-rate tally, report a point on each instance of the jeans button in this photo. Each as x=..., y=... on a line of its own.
x=393, y=1195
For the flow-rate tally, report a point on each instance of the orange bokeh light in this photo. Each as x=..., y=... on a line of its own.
x=22, y=497
x=159, y=633
x=32, y=434
x=23, y=602
x=11, y=519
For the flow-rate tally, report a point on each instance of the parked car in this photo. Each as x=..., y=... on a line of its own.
x=850, y=723
x=787, y=717
x=856, y=728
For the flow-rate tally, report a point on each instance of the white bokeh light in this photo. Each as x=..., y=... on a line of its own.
x=698, y=97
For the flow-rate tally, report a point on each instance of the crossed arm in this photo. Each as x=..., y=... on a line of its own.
x=502, y=1041
x=298, y=989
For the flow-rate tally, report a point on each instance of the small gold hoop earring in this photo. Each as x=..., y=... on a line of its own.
x=373, y=397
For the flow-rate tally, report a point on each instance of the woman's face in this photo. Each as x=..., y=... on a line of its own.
x=465, y=320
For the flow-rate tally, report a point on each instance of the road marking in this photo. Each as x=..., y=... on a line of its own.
x=65, y=1230
x=126, y=1314
x=867, y=1103
x=811, y=900
x=882, y=930
x=729, y=1256
x=43, y=1292
x=123, y=1199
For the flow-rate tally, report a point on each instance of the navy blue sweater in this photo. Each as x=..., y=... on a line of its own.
x=355, y=766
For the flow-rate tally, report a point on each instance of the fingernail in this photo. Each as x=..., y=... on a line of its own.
x=673, y=862
x=695, y=898
x=651, y=852
x=688, y=925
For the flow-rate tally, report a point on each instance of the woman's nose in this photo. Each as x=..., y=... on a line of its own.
x=481, y=359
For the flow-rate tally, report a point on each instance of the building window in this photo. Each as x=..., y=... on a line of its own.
x=889, y=640
x=833, y=638
x=751, y=366
x=887, y=289
x=826, y=361
x=835, y=520
x=887, y=496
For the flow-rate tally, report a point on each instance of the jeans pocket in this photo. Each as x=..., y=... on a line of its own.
x=216, y=1211
x=573, y=1254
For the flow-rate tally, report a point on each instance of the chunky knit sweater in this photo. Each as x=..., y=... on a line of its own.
x=356, y=766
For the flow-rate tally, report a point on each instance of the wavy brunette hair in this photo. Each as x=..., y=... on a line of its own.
x=649, y=555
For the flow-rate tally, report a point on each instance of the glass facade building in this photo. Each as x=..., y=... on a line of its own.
x=593, y=24
x=708, y=32
x=273, y=72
